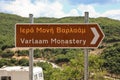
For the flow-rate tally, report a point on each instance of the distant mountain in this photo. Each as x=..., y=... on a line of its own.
x=110, y=27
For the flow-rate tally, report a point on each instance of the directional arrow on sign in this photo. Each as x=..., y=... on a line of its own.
x=96, y=36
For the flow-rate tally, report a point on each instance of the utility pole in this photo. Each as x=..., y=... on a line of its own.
x=86, y=73
x=31, y=51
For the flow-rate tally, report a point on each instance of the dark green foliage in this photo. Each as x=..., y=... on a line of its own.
x=22, y=52
x=44, y=65
x=37, y=53
x=61, y=58
x=23, y=62
x=73, y=70
x=4, y=62
x=95, y=61
x=60, y=55
x=7, y=26
x=112, y=58
x=13, y=62
x=0, y=52
x=7, y=54
x=8, y=62
x=47, y=68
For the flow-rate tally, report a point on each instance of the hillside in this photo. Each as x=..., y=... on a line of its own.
x=105, y=64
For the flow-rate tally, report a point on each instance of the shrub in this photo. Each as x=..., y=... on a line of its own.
x=23, y=62
x=7, y=54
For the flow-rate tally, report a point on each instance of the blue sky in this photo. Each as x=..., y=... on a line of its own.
x=62, y=8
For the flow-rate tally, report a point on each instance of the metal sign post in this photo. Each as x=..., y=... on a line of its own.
x=86, y=73
x=31, y=51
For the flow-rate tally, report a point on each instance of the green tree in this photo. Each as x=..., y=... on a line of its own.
x=4, y=62
x=13, y=61
x=7, y=54
x=112, y=59
x=95, y=63
x=23, y=62
x=22, y=53
x=37, y=53
x=47, y=68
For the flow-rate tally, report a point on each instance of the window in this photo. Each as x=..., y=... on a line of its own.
x=40, y=74
x=5, y=78
x=35, y=77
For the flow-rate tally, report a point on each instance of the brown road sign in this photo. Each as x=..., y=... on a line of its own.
x=58, y=35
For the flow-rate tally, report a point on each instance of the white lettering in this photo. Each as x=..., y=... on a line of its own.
x=33, y=41
x=71, y=41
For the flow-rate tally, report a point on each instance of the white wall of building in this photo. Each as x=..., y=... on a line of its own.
x=21, y=73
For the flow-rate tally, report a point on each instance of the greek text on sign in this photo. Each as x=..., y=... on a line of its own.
x=58, y=35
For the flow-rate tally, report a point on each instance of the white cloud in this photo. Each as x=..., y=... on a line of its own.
x=20, y=7
x=73, y=12
x=116, y=1
x=39, y=8
x=56, y=9
x=115, y=14
x=88, y=8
